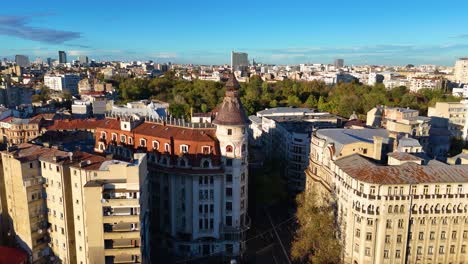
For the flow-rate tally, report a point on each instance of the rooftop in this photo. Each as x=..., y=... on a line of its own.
x=278, y=111
x=362, y=169
x=343, y=136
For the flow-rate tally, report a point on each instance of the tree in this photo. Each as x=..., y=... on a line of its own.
x=294, y=101
x=315, y=240
x=311, y=102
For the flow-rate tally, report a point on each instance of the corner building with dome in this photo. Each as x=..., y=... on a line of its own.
x=197, y=178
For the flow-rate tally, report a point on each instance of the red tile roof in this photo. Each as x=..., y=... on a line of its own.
x=12, y=256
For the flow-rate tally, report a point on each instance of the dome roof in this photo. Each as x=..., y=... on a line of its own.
x=231, y=112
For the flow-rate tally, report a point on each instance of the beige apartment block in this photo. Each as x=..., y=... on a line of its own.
x=410, y=210
x=72, y=207
x=106, y=205
x=455, y=113
x=24, y=217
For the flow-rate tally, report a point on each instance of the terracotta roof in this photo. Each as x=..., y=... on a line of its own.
x=364, y=170
x=403, y=156
x=231, y=111
x=12, y=256
x=76, y=124
x=179, y=133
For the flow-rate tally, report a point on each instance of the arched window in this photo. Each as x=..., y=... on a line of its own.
x=123, y=138
x=103, y=135
x=182, y=163
x=206, y=164
x=184, y=148
x=155, y=145
x=395, y=210
x=402, y=209
x=167, y=147
x=101, y=146
x=228, y=148
x=130, y=140
x=389, y=209
x=143, y=142
x=114, y=137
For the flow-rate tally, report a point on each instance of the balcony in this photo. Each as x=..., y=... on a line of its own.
x=121, y=202
x=115, y=218
x=122, y=234
x=122, y=251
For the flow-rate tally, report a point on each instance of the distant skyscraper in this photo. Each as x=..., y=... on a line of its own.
x=62, y=57
x=239, y=60
x=461, y=70
x=339, y=63
x=22, y=60
x=49, y=62
x=83, y=59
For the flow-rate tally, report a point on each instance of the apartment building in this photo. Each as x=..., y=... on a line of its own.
x=67, y=224
x=197, y=176
x=109, y=197
x=62, y=82
x=408, y=209
x=461, y=70
x=284, y=135
x=455, y=113
x=402, y=121
x=19, y=130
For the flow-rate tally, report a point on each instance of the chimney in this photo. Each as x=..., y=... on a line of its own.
x=378, y=142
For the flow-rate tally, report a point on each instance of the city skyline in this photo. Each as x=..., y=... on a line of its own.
x=396, y=33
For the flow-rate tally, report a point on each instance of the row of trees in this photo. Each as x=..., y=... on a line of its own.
x=342, y=99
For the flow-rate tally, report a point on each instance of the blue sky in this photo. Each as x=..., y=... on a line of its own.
x=281, y=32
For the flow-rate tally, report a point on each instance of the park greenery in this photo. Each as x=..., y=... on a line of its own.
x=342, y=99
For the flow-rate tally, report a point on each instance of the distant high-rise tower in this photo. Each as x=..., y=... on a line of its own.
x=62, y=56
x=239, y=60
x=339, y=63
x=49, y=62
x=83, y=59
x=461, y=70
x=22, y=60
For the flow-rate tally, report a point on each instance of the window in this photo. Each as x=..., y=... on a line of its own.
x=155, y=145
x=143, y=142
x=397, y=254
x=229, y=162
x=103, y=135
x=465, y=234
x=114, y=137
x=229, y=149
x=228, y=177
x=228, y=206
x=206, y=150
x=441, y=250
x=387, y=239
x=229, y=220
x=449, y=189
x=398, y=239
x=425, y=189
x=358, y=232
x=372, y=190
x=452, y=249
x=460, y=189
x=432, y=236
x=367, y=251
x=414, y=189
x=400, y=223
x=356, y=247
x=390, y=209
x=30, y=165
x=229, y=192
x=421, y=236
x=123, y=138
x=454, y=234
x=229, y=131
x=389, y=223
x=463, y=249
x=184, y=148
x=369, y=236
x=130, y=140
x=167, y=147
x=370, y=221
x=442, y=235
x=430, y=250
x=385, y=254
x=437, y=189
x=419, y=251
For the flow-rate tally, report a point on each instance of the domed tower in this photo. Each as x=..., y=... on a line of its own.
x=231, y=130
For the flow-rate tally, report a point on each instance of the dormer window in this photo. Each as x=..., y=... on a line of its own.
x=167, y=147
x=184, y=148
x=143, y=142
x=155, y=144
x=206, y=164
x=123, y=138
x=229, y=149
x=206, y=149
